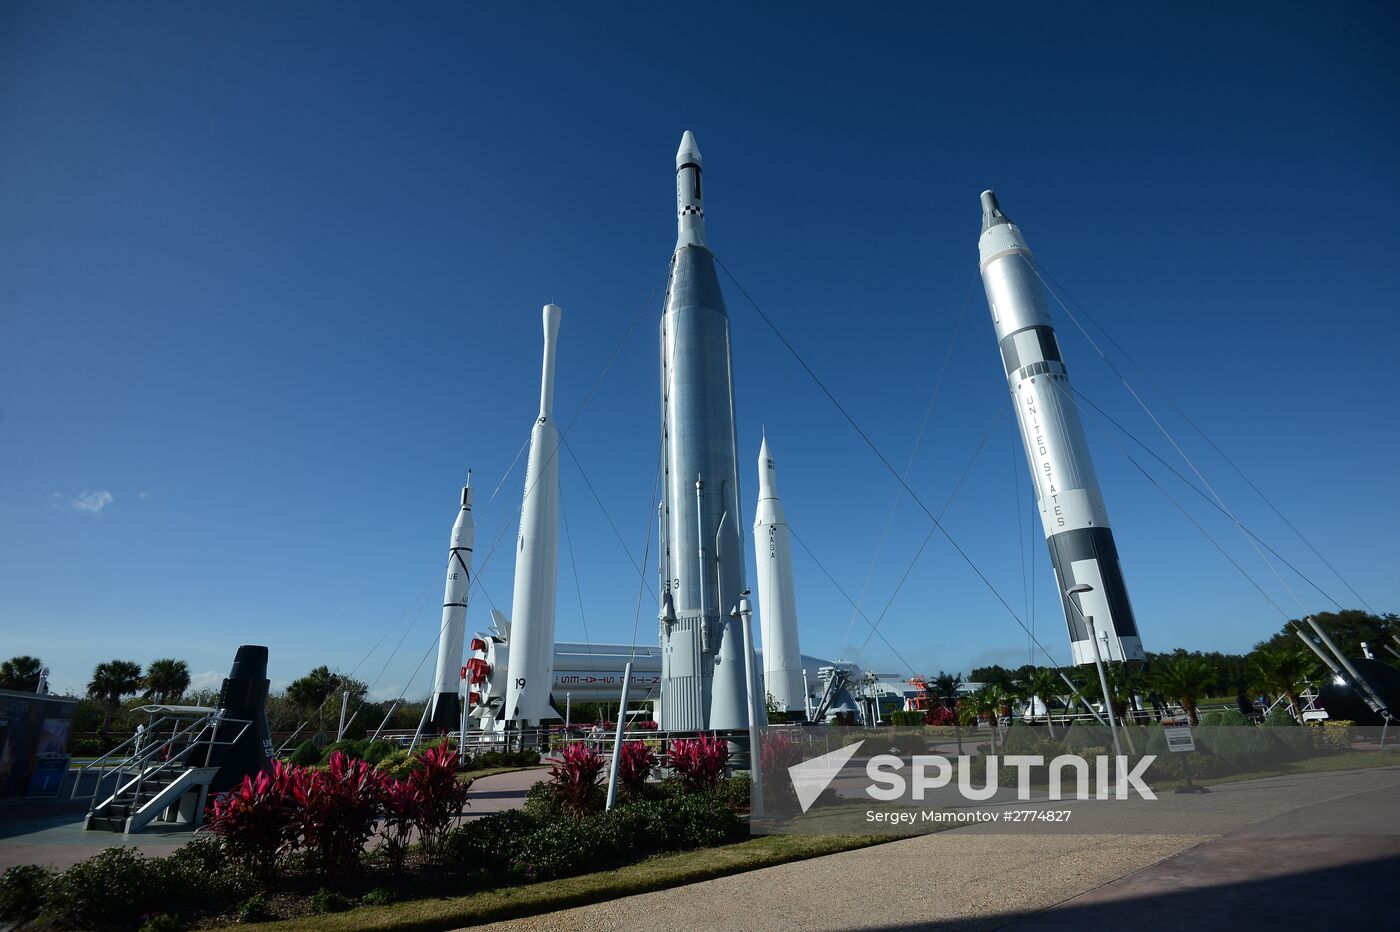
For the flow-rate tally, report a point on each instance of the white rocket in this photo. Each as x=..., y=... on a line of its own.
x=537, y=558
x=777, y=602
x=446, y=711
x=1072, y=511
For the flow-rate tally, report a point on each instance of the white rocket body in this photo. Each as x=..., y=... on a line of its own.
x=537, y=558
x=1072, y=511
x=777, y=601
x=446, y=711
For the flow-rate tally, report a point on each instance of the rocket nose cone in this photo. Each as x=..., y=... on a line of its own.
x=688, y=151
x=991, y=211
x=551, y=315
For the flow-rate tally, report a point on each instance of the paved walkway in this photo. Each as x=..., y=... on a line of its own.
x=1316, y=844
x=50, y=832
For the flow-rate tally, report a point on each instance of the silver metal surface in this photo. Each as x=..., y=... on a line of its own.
x=702, y=667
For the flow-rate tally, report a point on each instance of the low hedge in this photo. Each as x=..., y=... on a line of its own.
x=120, y=886
x=540, y=842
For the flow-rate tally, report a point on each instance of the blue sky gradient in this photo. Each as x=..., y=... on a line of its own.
x=270, y=280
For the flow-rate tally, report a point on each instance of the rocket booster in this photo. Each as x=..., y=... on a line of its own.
x=702, y=564
x=777, y=602
x=446, y=711
x=1072, y=511
x=537, y=557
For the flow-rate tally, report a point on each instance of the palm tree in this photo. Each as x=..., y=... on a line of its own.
x=1277, y=671
x=110, y=681
x=21, y=673
x=1185, y=679
x=989, y=701
x=167, y=679
x=945, y=687
x=1044, y=684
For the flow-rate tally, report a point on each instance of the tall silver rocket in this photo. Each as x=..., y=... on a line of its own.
x=446, y=712
x=1072, y=512
x=537, y=558
x=777, y=600
x=702, y=564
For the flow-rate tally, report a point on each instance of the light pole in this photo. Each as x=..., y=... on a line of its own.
x=744, y=612
x=1070, y=593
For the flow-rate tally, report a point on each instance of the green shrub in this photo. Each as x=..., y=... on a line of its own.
x=490, y=844
x=344, y=746
x=114, y=888
x=254, y=909
x=561, y=848
x=543, y=803
x=23, y=891
x=1240, y=748
x=328, y=901
x=1231, y=717
x=900, y=717
x=736, y=791
x=639, y=828
x=306, y=754
x=700, y=820
x=1087, y=736
x=398, y=764
x=1336, y=734
x=376, y=751
x=200, y=870
x=1030, y=739
x=379, y=896
x=1294, y=740
x=161, y=922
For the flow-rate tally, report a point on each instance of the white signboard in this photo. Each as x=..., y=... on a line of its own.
x=1178, y=734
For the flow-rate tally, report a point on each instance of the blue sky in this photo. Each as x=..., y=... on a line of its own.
x=270, y=280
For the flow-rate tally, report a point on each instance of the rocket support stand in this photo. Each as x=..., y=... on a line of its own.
x=617, y=741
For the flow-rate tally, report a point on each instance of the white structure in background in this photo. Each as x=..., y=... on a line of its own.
x=777, y=601
x=537, y=558
x=446, y=711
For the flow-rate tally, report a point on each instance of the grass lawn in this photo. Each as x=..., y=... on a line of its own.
x=532, y=899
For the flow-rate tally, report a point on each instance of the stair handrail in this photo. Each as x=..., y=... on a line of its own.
x=205, y=723
x=208, y=723
x=141, y=759
x=101, y=763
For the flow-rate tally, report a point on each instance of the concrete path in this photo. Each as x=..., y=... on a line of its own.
x=50, y=832
x=1327, y=836
x=503, y=791
x=1323, y=866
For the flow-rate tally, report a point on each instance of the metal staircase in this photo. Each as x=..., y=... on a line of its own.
x=161, y=774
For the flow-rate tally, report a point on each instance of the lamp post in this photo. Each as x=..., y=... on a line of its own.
x=744, y=612
x=1098, y=662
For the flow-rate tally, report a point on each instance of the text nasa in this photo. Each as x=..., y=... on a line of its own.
x=933, y=771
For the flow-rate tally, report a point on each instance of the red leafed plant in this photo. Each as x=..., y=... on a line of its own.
x=939, y=715
x=779, y=752
x=257, y=820
x=699, y=762
x=403, y=808
x=575, y=778
x=339, y=808
x=633, y=767
x=441, y=796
